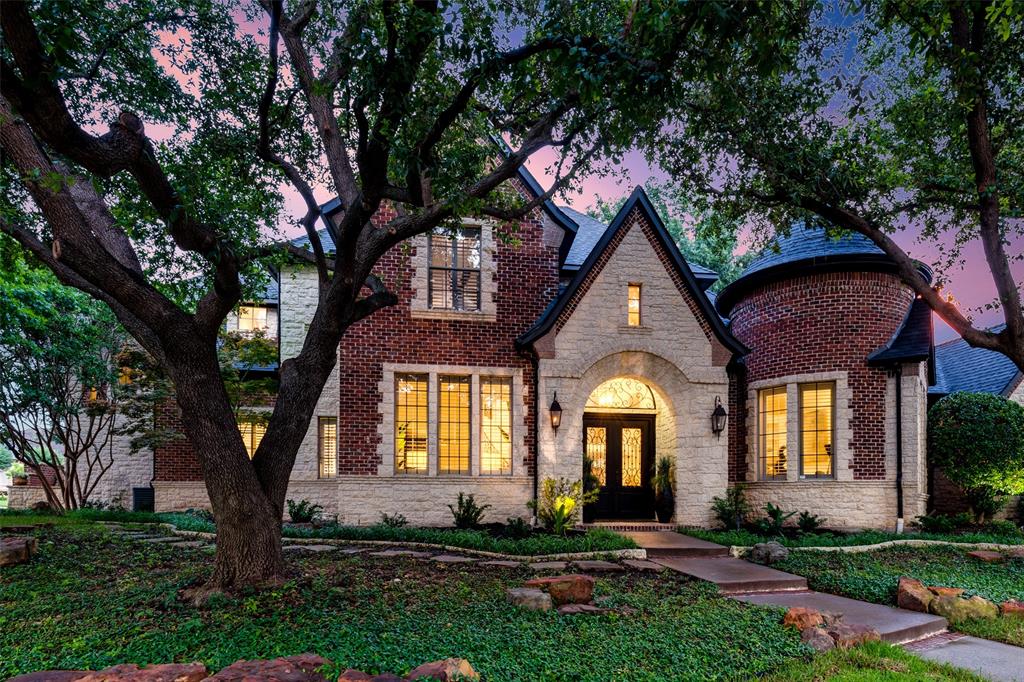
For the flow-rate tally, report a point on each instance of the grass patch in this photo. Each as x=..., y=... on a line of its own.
x=120, y=605
x=873, y=662
x=745, y=538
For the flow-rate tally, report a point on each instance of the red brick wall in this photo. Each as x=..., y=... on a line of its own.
x=828, y=322
x=736, y=427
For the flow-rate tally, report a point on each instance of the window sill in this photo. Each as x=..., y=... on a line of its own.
x=629, y=329
x=453, y=315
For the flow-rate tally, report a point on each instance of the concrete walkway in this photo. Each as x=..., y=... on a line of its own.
x=994, y=660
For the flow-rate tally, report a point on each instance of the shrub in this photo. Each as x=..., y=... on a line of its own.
x=559, y=504
x=517, y=528
x=944, y=523
x=393, y=520
x=467, y=513
x=772, y=525
x=732, y=509
x=303, y=511
x=978, y=441
x=664, y=478
x=809, y=523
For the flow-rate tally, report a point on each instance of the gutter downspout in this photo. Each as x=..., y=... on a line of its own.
x=897, y=374
x=535, y=363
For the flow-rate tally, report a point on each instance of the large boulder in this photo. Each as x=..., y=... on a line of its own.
x=946, y=591
x=444, y=671
x=530, y=598
x=16, y=550
x=847, y=636
x=768, y=553
x=167, y=672
x=913, y=595
x=956, y=610
x=803, y=618
x=1012, y=609
x=301, y=668
x=818, y=639
x=566, y=589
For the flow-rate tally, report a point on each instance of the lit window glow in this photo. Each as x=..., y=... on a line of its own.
x=453, y=425
x=816, y=426
x=633, y=305
x=411, y=423
x=620, y=394
x=328, y=446
x=252, y=433
x=252, y=318
x=772, y=432
x=495, y=425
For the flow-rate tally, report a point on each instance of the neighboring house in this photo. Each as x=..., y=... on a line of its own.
x=505, y=364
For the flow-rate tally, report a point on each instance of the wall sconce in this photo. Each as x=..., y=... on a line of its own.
x=556, y=412
x=718, y=418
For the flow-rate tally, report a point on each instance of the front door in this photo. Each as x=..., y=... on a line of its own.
x=621, y=448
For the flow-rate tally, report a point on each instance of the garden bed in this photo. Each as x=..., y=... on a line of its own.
x=835, y=538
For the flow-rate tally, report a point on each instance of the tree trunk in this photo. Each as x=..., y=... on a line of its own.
x=248, y=542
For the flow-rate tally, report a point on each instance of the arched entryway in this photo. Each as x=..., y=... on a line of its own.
x=619, y=432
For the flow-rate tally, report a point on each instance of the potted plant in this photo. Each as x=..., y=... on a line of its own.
x=664, y=482
x=591, y=486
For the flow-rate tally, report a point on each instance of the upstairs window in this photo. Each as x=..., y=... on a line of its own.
x=411, y=423
x=327, y=452
x=633, y=305
x=252, y=317
x=252, y=431
x=771, y=421
x=817, y=403
x=454, y=282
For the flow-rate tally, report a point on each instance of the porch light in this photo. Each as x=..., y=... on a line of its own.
x=718, y=418
x=556, y=412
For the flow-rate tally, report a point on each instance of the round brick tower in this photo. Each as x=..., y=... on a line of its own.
x=814, y=405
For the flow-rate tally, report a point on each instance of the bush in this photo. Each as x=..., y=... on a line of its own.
x=944, y=523
x=303, y=511
x=517, y=529
x=467, y=513
x=732, y=509
x=772, y=525
x=559, y=504
x=393, y=520
x=809, y=523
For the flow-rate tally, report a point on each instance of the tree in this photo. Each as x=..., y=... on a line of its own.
x=393, y=104
x=896, y=115
x=978, y=441
x=6, y=458
x=704, y=236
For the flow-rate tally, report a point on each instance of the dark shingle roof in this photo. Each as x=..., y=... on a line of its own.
x=806, y=243
x=960, y=367
x=912, y=341
x=325, y=239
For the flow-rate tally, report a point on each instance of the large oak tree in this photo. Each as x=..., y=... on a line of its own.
x=396, y=102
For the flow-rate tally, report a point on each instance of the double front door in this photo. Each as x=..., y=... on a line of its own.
x=621, y=451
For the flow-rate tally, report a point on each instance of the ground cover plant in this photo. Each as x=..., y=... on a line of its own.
x=873, y=662
x=368, y=613
x=1000, y=533
x=873, y=576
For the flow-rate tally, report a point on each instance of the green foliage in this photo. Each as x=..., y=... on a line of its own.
x=732, y=510
x=995, y=532
x=870, y=662
x=773, y=524
x=466, y=512
x=944, y=523
x=517, y=528
x=664, y=478
x=809, y=523
x=978, y=441
x=560, y=503
x=590, y=480
x=6, y=458
x=393, y=520
x=303, y=511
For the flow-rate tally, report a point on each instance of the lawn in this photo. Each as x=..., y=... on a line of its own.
x=90, y=600
x=873, y=576
x=873, y=662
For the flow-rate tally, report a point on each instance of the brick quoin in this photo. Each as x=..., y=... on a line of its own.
x=823, y=322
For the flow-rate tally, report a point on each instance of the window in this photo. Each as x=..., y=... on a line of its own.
x=252, y=318
x=772, y=432
x=411, y=423
x=328, y=447
x=495, y=425
x=633, y=305
x=252, y=431
x=453, y=425
x=454, y=282
x=816, y=421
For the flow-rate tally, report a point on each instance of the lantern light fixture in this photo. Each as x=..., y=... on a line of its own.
x=718, y=418
x=556, y=412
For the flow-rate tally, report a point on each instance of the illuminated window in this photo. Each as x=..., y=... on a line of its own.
x=328, y=447
x=495, y=425
x=632, y=456
x=597, y=452
x=816, y=423
x=621, y=394
x=455, y=270
x=252, y=431
x=124, y=377
x=633, y=305
x=772, y=432
x=251, y=318
x=411, y=423
x=453, y=425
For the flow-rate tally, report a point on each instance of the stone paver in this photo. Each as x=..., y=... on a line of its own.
x=548, y=565
x=452, y=559
x=598, y=566
x=502, y=564
x=166, y=538
x=642, y=565
x=188, y=543
x=993, y=660
x=310, y=548
x=894, y=625
x=662, y=543
x=390, y=553
x=735, y=575
x=353, y=550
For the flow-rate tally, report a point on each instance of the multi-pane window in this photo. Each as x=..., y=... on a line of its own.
x=454, y=282
x=817, y=401
x=252, y=318
x=411, y=423
x=327, y=449
x=453, y=428
x=772, y=432
x=252, y=430
x=633, y=305
x=495, y=425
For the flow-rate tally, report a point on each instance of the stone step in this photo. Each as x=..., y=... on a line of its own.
x=734, y=576
x=663, y=544
x=896, y=626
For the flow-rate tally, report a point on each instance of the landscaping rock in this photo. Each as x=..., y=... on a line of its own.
x=530, y=598
x=643, y=565
x=1016, y=552
x=987, y=556
x=946, y=591
x=444, y=671
x=301, y=668
x=303, y=548
x=803, y=618
x=352, y=675
x=168, y=672
x=388, y=553
x=956, y=610
x=50, y=676
x=847, y=636
x=548, y=565
x=768, y=553
x=14, y=551
x=453, y=559
x=913, y=595
x=818, y=639
x=602, y=566
x=1012, y=609
x=502, y=564
x=566, y=589
x=576, y=609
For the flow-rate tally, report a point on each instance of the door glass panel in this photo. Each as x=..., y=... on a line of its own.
x=597, y=451
x=632, y=447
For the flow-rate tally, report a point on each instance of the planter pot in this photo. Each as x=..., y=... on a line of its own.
x=664, y=505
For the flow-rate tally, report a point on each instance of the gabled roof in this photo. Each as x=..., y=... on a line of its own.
x=961, y=367
x=639, y=200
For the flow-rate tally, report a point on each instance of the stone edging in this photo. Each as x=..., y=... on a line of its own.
x=566, y=556
x=740, y=551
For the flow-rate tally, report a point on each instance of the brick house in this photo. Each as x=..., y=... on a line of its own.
x=506, y=363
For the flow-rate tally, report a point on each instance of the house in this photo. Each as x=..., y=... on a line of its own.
x=505, y=364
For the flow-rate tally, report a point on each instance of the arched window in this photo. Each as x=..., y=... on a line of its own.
x=622, y=394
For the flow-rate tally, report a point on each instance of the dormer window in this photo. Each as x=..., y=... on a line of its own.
x=454, y=279
x=633, y=305
x=251, y=318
